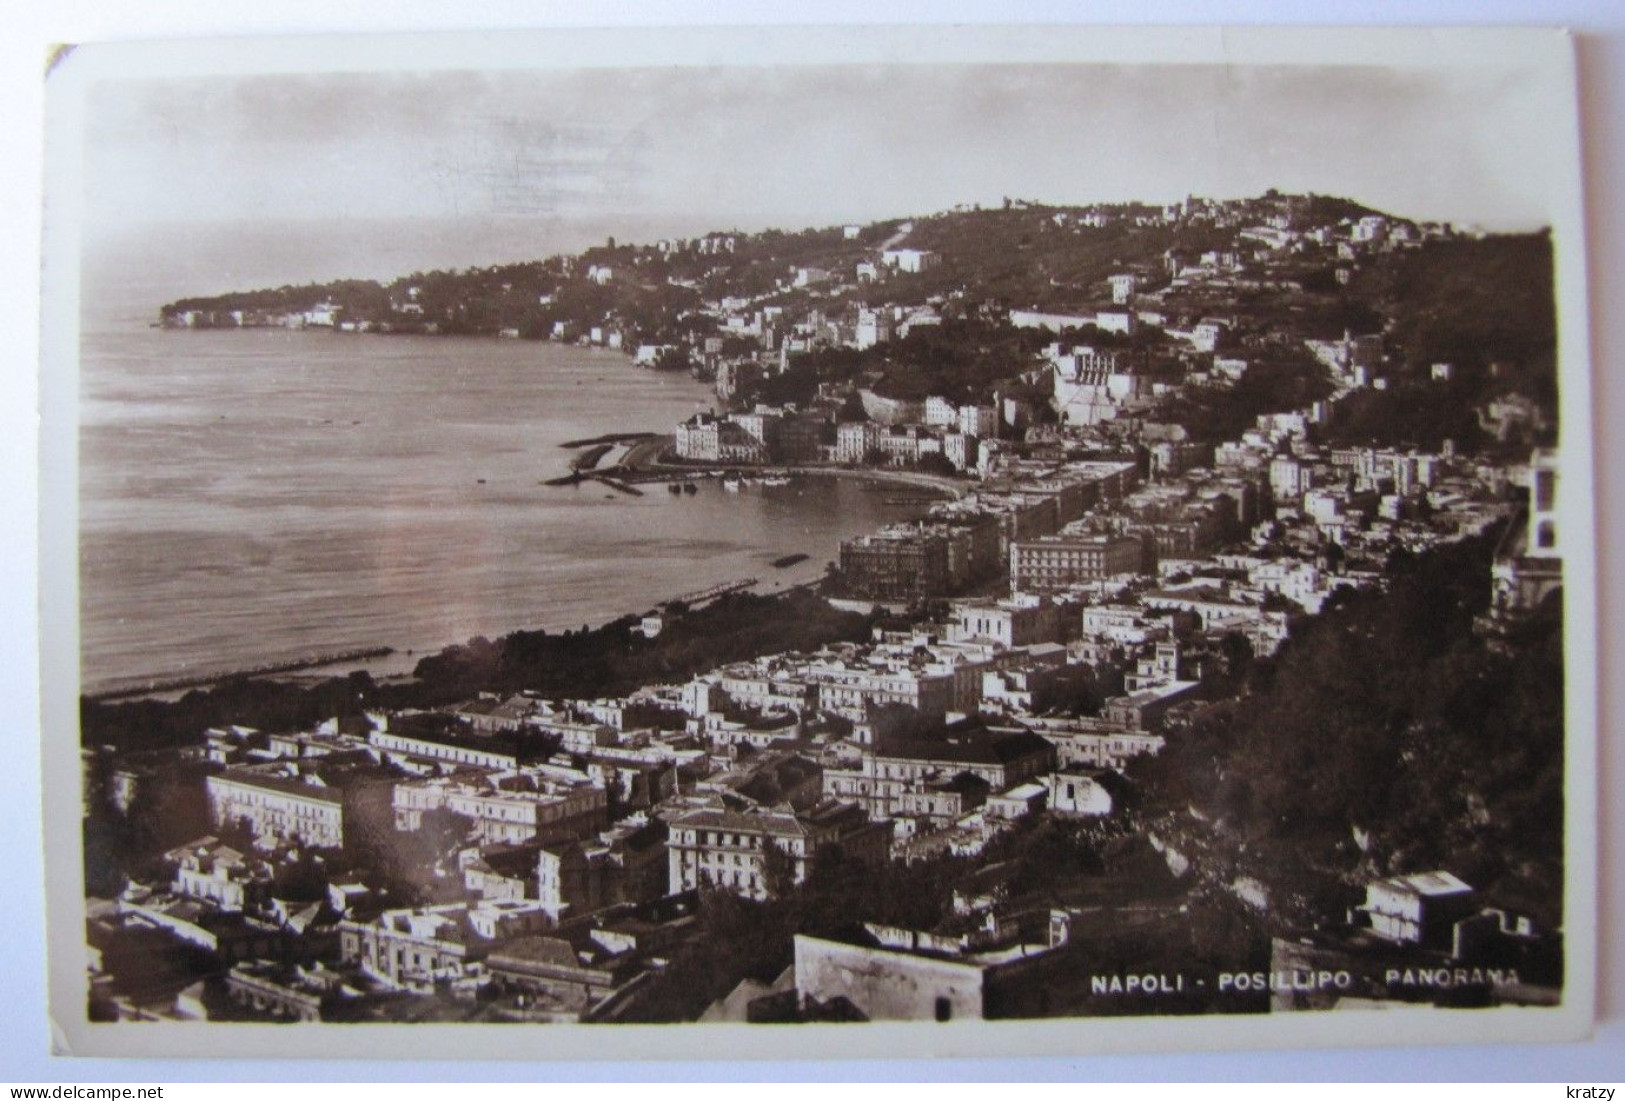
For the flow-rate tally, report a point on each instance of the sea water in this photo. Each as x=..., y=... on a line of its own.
x=256, y=496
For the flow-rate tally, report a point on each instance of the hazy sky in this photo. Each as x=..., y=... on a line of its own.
x=801, y=146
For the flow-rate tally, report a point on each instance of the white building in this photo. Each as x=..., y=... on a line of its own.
x=1372, y=227
x=1289, y=478
x=323, y=313
x=729, y=849
x=1077, y=795
x=1018, y=621
x=856, y=441
x=911, y=260
x=851, y=692
x=1123, y=624
x=1205, y=336
x=1298, y=582
x=216, y=873
x=1115, y=321
x=940, y=412
x=283, y=803
x=960, y=450
x=874, y=327
x=418, y=947
x=505, y=809
x=1323, y=506
x=978, y=420
x=1416, y=909
x=699, y=438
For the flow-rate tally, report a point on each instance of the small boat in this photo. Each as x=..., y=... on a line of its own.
x=731, y=484
x=776, y=480
x=674, y=489
x=789, y=560
x=690, y=487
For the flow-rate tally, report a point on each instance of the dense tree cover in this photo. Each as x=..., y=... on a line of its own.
x=1385, y=738
x=759, y=262
x=1022, y=257
x=262, y=704
x=1470, y=302
x=614, y=659
x=169, y=810
x=1281, y=383
x=962, y=360
x=360, y=295
x=413, y=867
x=1022, y=254
x=1486, y=306
x=529, y=298
x=1409, y=413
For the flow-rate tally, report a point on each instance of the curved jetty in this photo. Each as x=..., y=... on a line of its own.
x=589, y=458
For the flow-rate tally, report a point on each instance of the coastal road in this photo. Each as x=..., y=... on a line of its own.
x=895, y=239
x=641, y=462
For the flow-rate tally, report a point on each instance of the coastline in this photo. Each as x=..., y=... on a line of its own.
x=387, y=665
x=391, y=662
x=394, y=664
x=636, y=465
x=265, y=357
x=631, y=458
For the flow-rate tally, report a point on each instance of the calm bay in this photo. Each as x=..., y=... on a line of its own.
x=256, y=496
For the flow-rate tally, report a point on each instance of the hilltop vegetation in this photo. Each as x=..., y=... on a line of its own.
x=1484, y=306
x=1471, y=303
x=1023, y=255
x=1384, y=739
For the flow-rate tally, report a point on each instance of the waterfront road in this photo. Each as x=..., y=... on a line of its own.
x=648, y=461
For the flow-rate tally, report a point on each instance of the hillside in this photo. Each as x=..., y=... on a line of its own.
x=1276, y=270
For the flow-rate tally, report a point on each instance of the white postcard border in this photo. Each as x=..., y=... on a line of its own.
x=1557, y=147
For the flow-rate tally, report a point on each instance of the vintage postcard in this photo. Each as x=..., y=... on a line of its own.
x=852, y=541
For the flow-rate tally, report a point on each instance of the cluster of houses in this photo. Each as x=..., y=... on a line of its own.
x=840, y=298
x=1105, y=390
x=1245, y=534
x=1075, y=608
x=578, y=831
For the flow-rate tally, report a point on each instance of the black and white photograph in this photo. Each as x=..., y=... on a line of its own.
x=938, y=538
